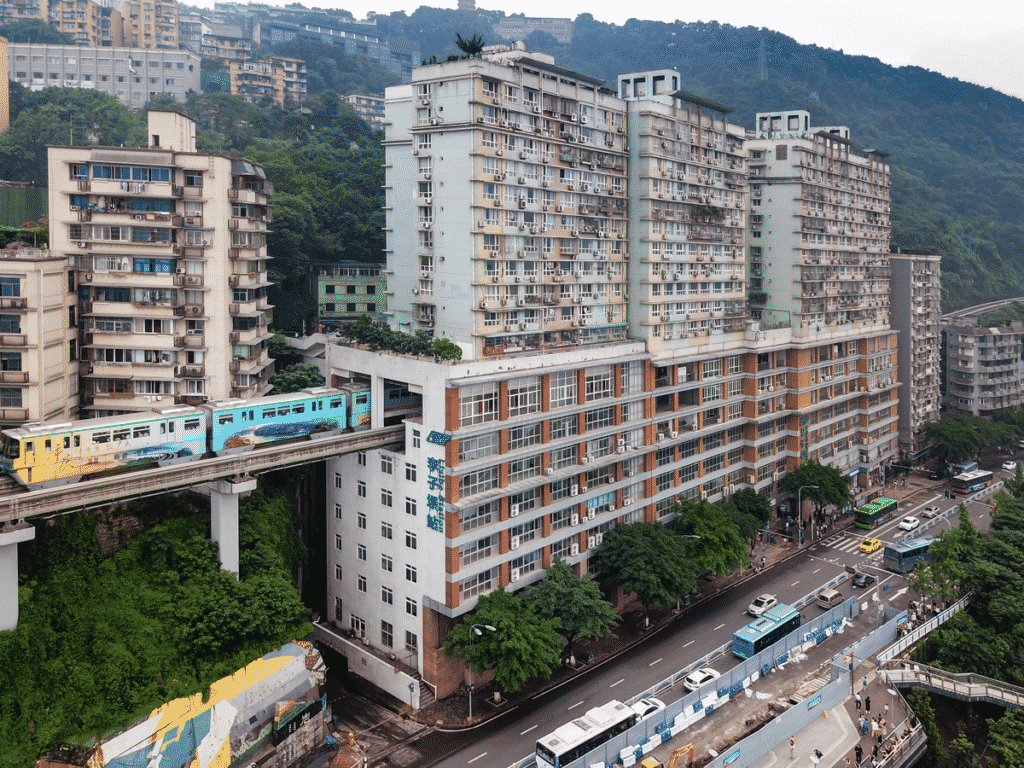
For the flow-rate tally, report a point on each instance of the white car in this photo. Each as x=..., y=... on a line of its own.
x=1010, y=466
x=930, y=512
x=761, y=603
x=647, y=707
x=700, y=678
x=909, y=523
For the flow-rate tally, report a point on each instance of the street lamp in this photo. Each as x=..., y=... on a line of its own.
x=475, y=630
x=799, y=506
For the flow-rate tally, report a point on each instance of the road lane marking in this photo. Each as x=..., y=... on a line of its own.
x=718, y=627
x=688, y=644
x=523, y=733
x=794, y=583
x=653, y=662
x=815, y=571
x=482, y=754
x=617, y=682
x=575, y=705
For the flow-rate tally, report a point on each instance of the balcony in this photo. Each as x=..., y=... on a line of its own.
x=192, y=281
x=189, y=371
x=189, y=310
x=13, y=377
x=13, y=302
x=13, y=340
x=14, y=414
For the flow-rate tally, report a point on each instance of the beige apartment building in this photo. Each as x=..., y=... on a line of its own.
x=280, y=79
x=169, y=248
x=370, y=108
x=151, y=24
x=13, y=11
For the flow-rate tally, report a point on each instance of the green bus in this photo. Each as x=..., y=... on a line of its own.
x=876, y=512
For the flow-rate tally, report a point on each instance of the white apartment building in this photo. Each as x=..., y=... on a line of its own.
x=916, y=294
x=170, y=251
x=134, y=76
x=982, y=362
x=596, y=288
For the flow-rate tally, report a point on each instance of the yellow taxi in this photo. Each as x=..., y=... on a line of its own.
x=870, y=545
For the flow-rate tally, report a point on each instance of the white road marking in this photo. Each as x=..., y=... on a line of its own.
x=688, y=644
x=718, y=627
x=617, y=682
x=575, y=705
x=482, y=754
x=523, y=733
x=653, y=662
x=815, y=571
x=794, y=583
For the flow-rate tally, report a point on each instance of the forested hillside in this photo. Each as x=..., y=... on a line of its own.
x=957, y=150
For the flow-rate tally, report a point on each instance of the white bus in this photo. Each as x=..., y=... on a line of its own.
x=589, y=731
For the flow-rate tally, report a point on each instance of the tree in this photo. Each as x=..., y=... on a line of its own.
x=1007, y=738
x=446, y=349
x=922, y=706
x=296, y=377
x=575, y=605
x=952, y=553
x=649, y=560
x=832, y=487
x=34, y=31
x=721, y=545
x=471, y=46
x=750, y=502
x=523, y=645
x=962, y=435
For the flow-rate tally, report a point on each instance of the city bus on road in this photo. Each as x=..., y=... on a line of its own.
x=904, y=555
x=773, y=625
x=969, y=482
x=576, y=738
x=876, y=512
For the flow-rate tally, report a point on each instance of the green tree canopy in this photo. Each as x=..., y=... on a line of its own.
x=523, y=645
x=750, y=502
x=575, y=605
x=960, y=436
x=832, y=487
x=720, y=546
x=296, y=377
x=648, y=560
x=472, y=45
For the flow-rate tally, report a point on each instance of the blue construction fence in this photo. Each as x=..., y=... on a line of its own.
x=628, y=748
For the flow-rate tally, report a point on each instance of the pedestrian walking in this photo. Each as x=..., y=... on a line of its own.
x=864, y=684
x=886, y=709
x=874, y=752
x=792, y=748
x=874, y=727
x=858, y=753
x=885, y=731
x=762, y=562
x=856, y=700
x=867, y=704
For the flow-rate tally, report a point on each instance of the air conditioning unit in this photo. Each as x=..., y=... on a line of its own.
x=583, y=489
x=88, y=277
x=514, y=543
x=549, y=470
x=771, y=387
x=598, y=538
x=661, y=437
x=776, y=475
x=674, y=434
x=591, y=514
x=703, y=495
x=591, y=542
x=415, y=291
x=585, y=460
x=574, y=550
x=752, y=479
x=730, y=489
x=513, y=510
x=574, y=491
x=626, y=502
x=632, y=473
x=514, y=573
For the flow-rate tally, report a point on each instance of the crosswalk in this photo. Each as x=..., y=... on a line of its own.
x=846, y=542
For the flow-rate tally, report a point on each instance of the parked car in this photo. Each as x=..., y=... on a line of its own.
x=930, y=512
x=862, y=579
x=909, y=523
x=1010, y=466
x=934, y=475
x=647, y=707
x=700, y=678
x=870, y=545
x=761, y=603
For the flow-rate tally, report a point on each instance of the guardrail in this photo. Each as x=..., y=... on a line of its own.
x=923, y=629
x=17, y=506
x=967, y=686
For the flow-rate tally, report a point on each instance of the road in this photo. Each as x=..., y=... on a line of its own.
x=503, y=741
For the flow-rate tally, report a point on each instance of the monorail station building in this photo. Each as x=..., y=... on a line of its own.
x=594, y=252
x=168, y=263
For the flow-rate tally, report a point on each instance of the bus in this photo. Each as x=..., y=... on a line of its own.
x=965, y=467
x=969, y=482
x=576, y=738
x=773, y=625
x=876, y=512
x=903, y=556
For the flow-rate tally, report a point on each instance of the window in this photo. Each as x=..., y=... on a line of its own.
x=478, y=447
x=338, y=610
x=10, y=324
x=357, y=625
x=410, y=472
x=410, y=540
x=386, y=563
x=386, y=464
x=479, y=584
x=475, y=517
x=361, y=583
x=564, y=427
x=410, y=573
x=337, y=541
x=410, y=641
x=361, y=520
x=598, y=383
x=361, y=459
x=521, y=437
x=476, y=550
x=385, y=497
x=479, y=481
x=411, y=607
x=361, y=489
x=337, y=572
x=387, y=634
x=387, y=531
x=478, y=403
x=524, y=396
x=410, y=506
x=523, y=469
x=563, y=389
x=10, y=286
x=10, y=361
x=10, y=397
x=387, y=596
x=361, y=552
x=602, y=417
x=415, y=438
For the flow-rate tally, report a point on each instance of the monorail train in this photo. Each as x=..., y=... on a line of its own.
x=44, y=455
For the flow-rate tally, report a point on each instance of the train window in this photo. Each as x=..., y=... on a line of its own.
x=362, y=399
x=192, y=424
x=299, y=408
x=140, y=432
x=268, y=413
x=245, y=415
x=170, y=427
x=48, y=445
x=67, y=442
x=225, y=418
x=101, y=437
x=78, y=441
x=29, y=446
x=284, y=410
x=336, y=403
x=122, y=435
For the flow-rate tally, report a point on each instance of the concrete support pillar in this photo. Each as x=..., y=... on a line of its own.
x=10, y=537
x=224, y=518
x=376, y=402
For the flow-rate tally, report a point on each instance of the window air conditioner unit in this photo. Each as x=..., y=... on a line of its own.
x=513, y=510
x=549, y=470
x=674, y=434
x=574, y=550
x=585, y=460
x=574, y=491
x=661, y=437
x=591, y=542
x=514, y=573
x=598, y=538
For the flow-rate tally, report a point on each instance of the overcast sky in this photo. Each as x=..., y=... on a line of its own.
x=979, y=42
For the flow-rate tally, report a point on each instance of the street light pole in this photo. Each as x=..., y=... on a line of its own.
x=799, y=506
x=475, y=630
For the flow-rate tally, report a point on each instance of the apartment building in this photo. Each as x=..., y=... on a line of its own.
x=13, y=11
x=169, y=249
x=590, y=260
x=370, y=108
x=981, y=362
x=132, y=75
x=90, y=23
x=5, y=87
x=520, y=27
x=915, y=298
x=151, y=24
x=38, y=336
x=279, y=80
x=227, y=43
x=348, y=290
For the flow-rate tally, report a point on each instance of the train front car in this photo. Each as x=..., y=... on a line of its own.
x=241, y=425
x=45, y=455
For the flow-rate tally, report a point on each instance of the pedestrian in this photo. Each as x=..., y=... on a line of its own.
x=858, y=753
x=885, y=731
x=864, y=684
x=856, y=700
x=867, y=704
x=874, y=727
x=886, y=709
x=874, y=752
x=792, y=748
x=762, y=562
